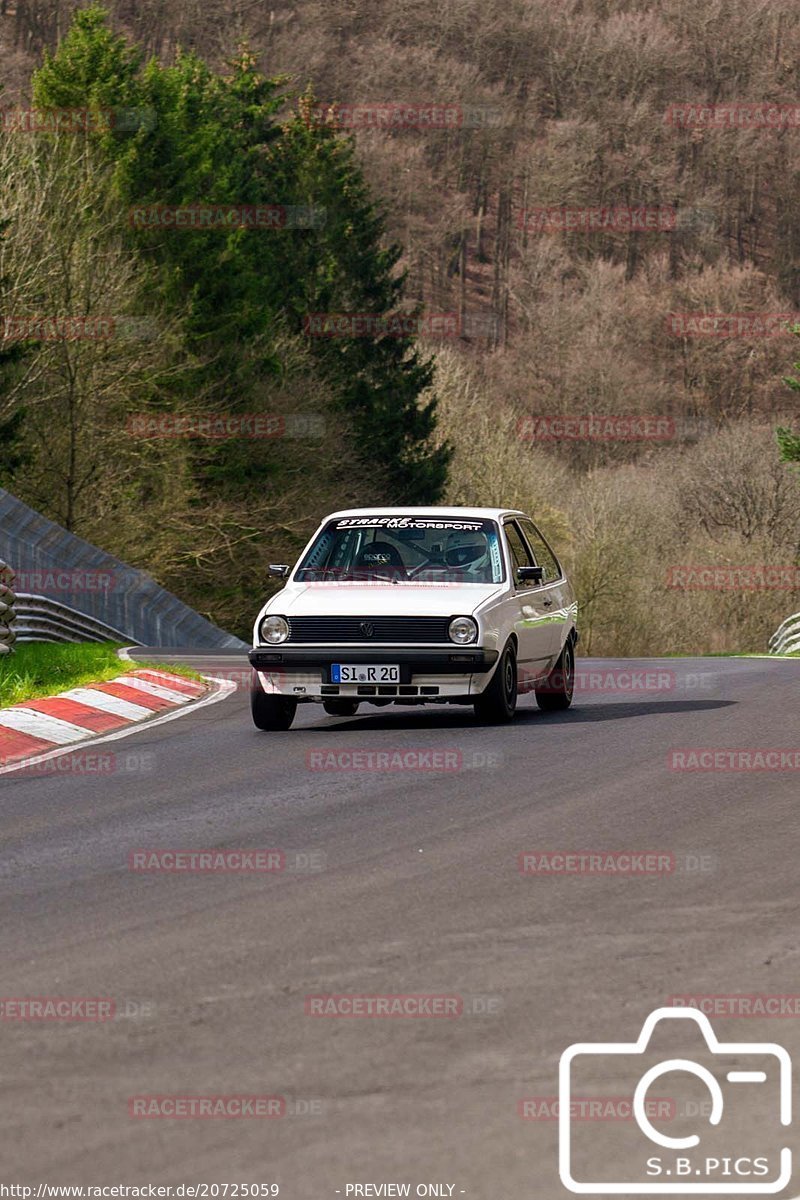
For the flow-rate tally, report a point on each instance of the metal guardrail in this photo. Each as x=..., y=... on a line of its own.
x=43, y=619
x=50, y=561
x=7, y=610
x=786, y=639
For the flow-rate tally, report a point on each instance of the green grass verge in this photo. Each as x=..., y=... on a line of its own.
x=44, y=668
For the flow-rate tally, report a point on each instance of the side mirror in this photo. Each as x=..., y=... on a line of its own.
x=532, y=574
x=279, y=569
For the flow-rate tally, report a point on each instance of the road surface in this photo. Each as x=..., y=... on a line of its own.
x=397, y=882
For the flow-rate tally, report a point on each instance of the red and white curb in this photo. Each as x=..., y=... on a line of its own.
x=36, y=730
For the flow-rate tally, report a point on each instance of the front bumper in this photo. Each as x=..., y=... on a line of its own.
x=426, y=673
x=412, y=660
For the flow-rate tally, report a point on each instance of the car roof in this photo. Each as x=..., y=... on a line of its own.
x=490, y=514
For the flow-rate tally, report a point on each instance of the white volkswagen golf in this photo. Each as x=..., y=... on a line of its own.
x=417, y=606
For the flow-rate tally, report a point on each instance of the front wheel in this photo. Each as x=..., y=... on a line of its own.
x=271, y=713
x=497, y=704
x=556, y=692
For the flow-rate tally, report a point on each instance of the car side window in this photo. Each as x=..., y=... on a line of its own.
x=520, y=554
x=542, y=552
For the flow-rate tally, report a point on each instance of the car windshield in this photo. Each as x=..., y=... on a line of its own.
x=405, y=549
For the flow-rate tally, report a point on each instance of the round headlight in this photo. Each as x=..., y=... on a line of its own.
x=462, y=631
x=274, y=630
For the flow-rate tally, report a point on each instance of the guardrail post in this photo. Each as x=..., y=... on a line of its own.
x=7, y=613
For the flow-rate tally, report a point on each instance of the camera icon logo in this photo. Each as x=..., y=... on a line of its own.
x=759, y=1073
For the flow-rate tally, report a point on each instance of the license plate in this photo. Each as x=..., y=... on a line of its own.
x=364, y=674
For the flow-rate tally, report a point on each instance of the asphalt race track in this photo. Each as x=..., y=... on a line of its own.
x=403, y=881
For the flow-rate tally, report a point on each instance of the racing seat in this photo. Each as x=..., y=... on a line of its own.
x=376, y=556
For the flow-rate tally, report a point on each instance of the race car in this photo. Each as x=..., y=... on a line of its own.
x=417, y=606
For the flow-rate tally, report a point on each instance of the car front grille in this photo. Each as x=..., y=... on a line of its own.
x=367, y=630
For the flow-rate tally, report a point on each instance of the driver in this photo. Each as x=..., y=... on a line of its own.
x=468, y=552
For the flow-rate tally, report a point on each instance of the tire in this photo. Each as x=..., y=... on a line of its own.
x=271, y=713
x=340, y=708
x=497, y=704
x=557, y=690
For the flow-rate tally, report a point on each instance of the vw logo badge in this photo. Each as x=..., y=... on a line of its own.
x=367, y=628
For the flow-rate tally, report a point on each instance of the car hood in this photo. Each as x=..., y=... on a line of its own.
x=380, y=600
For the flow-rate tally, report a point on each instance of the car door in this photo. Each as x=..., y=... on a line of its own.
x=531, y=615
x=556, y=596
